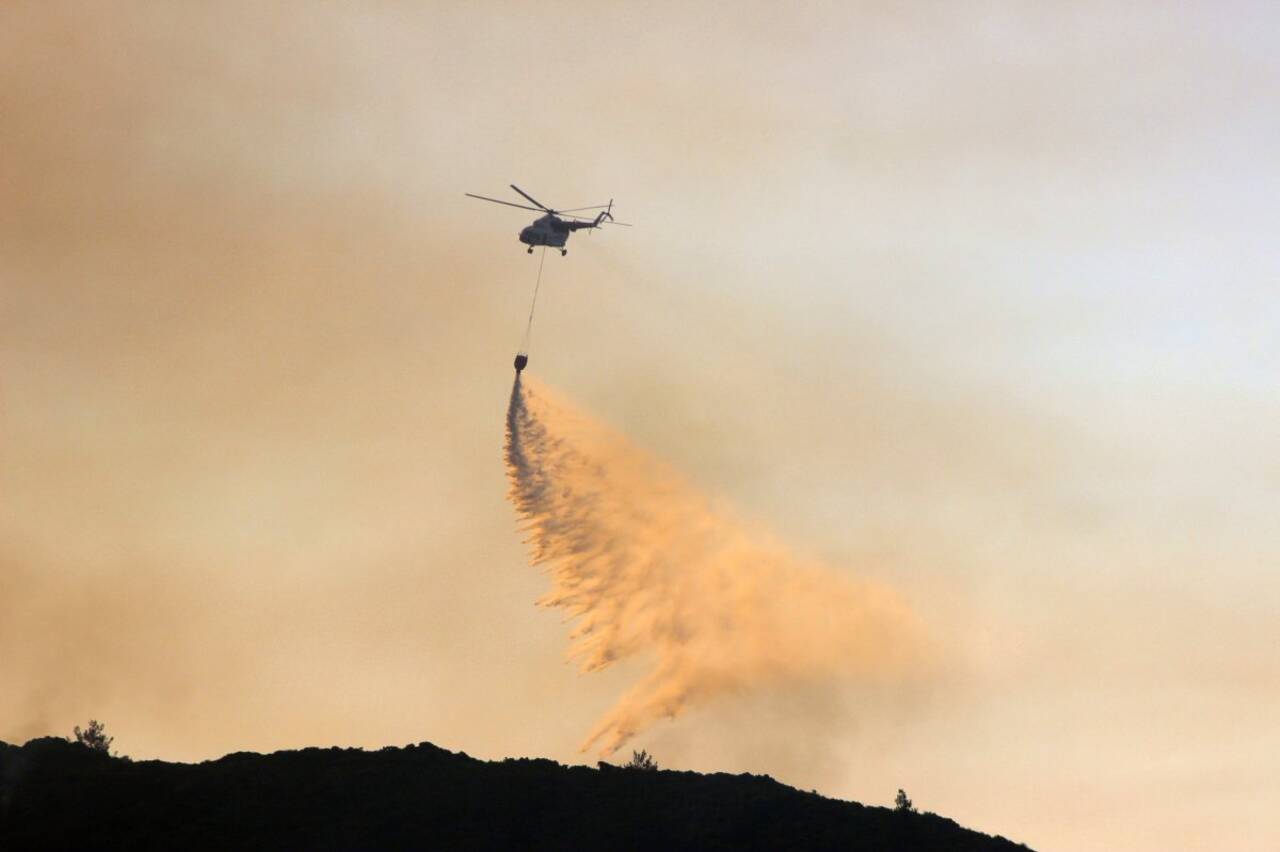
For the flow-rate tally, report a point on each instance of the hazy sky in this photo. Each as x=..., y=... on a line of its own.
x=973, y=300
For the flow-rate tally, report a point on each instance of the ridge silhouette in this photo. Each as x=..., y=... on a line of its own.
x=55, y=794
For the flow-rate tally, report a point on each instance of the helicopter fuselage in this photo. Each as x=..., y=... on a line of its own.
x=547, y=231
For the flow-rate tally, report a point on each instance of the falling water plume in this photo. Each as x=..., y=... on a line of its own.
x=648, y=567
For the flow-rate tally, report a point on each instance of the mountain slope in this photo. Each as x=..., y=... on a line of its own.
x=59, y=795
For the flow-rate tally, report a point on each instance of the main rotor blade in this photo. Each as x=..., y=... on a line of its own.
x=541, y=206
x=579, y=209
x=508, y=203
x=589, y=219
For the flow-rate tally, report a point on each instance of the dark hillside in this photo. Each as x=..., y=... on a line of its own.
x=58, y=795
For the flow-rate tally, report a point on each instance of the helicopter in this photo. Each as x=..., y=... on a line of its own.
x=554, y=228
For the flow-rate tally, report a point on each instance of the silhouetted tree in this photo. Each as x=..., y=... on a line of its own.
x=641, y=760
x=902, y=802
x=94, y=737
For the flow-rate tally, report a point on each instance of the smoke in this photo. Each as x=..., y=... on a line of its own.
x=648, y=566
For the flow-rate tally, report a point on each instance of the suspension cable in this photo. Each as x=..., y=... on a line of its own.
x=528, y=327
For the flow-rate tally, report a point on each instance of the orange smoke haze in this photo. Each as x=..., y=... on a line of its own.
x=648, y=565
x=974, y=300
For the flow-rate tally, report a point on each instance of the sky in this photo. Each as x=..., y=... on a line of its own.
x=973, y=301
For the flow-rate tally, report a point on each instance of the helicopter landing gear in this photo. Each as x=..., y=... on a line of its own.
x=563, y=252
x=530, y=249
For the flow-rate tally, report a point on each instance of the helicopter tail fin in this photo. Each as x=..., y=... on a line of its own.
x=607, y=213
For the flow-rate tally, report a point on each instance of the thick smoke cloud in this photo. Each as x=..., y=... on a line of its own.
x=648, y=566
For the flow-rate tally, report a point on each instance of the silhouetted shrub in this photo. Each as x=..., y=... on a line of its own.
x=902, y=802
x=94, y=737
x=641, y=760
